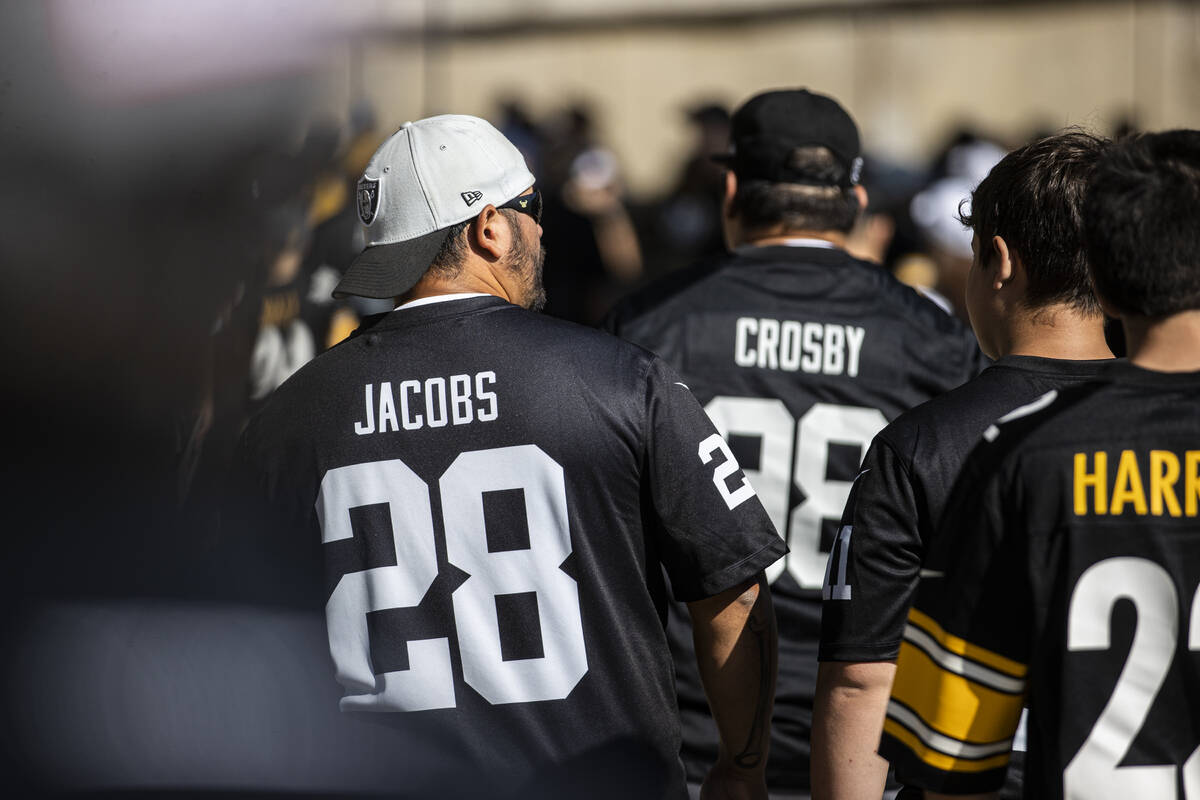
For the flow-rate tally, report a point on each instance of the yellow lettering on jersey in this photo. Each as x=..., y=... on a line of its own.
x=1191, y=489
x=1164, y=473
x=1128, y=486
x=1097, y=480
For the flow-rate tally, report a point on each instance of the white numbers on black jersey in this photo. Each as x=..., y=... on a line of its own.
x=797, y=453
x=1094, y=772
x=725, y=468
x=524, y=576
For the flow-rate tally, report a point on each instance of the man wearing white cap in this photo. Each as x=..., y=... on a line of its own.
x=496, y=493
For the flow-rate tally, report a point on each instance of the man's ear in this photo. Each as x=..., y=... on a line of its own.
x=490, y=233
x=861, y=193
x=730, y=191
x=1006, y=262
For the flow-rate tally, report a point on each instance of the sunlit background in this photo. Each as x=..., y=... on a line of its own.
x=176, y=202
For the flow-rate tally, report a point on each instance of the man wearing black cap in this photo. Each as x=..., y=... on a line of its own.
x=495, y=495
x=800, y=353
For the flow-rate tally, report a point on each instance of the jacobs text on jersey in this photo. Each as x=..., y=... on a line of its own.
x=429, y=403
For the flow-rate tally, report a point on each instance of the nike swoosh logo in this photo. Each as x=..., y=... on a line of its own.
x=684, y=385
x=864, y=472
x=932, y=573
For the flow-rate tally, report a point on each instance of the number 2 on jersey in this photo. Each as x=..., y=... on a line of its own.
x=428, y=682
x=1093, y=771
x=806, y=445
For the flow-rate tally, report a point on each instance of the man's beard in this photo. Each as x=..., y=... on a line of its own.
x=527, y=263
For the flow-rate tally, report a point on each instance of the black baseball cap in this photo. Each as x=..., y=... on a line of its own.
x=769, y=126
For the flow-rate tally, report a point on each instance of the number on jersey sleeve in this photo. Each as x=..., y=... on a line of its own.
x=797, y=452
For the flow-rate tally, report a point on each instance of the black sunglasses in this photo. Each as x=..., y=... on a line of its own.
x=530, y=204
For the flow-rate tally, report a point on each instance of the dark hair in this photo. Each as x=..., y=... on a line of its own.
x=1033, y=199
x=822, y=206
x=448, y=262
x=1142, y=224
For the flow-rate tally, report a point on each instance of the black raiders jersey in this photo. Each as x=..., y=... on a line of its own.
x=899, y=497
x=497, y=495
x=800, y=356
x=1066, y=573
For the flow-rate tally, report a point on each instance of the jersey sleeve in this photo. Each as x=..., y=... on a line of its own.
x=873, y=566
x=712, y=532
x=961, y=673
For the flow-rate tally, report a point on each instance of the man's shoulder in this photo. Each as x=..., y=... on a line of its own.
x=1059, y=418
x=676, y=288
x=972, y=406
x=800, y=278
x=965, y=412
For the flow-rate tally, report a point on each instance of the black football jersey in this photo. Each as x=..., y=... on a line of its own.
x=899, y=497
x=800, y=356
x=1066, y=572
x=497, y=495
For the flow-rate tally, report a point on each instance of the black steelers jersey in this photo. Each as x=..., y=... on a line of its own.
x=900, y=494
x=1066, y=572
x=497, y=495
x=800, y=356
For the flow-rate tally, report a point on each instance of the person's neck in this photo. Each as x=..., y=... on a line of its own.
x=1164, y=344
x=465, y=282
x=1057, y=332
x=835, y=238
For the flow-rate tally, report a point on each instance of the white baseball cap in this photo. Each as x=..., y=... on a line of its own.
x=428, y=176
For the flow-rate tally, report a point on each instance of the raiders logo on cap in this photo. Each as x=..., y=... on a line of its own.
x=368, y=200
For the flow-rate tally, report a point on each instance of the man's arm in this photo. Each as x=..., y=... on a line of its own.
x=869, y=585
x=851, y=702
x=736, y=650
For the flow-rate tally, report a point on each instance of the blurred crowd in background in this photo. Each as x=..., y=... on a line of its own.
x=168, y=260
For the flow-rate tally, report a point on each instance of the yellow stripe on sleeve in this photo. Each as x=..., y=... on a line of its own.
x=951, y=704
x=964, y=648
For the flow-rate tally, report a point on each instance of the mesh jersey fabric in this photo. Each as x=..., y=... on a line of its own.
x=900, y=495
x=800, y=356
x=1065, y=572
x=495, y=496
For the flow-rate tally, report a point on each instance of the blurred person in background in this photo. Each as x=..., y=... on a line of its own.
x=1031, y=304
x=492, y=496
x=520, y=128
x=934, y=210
x=800, y=354
x=592, y=248
x=686, y=224
x=317, y=234
x=1065, y=571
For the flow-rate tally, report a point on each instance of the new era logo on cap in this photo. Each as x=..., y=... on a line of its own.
x=472, y=197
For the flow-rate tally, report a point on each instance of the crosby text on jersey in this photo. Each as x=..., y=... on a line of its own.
x=794, y=346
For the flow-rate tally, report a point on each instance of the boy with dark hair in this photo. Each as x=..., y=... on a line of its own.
x=1030, y=303
x=1085, y=498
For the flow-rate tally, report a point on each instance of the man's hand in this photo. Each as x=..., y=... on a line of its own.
x=736, y=651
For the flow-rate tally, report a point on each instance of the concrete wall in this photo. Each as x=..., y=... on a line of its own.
x=907, y=71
